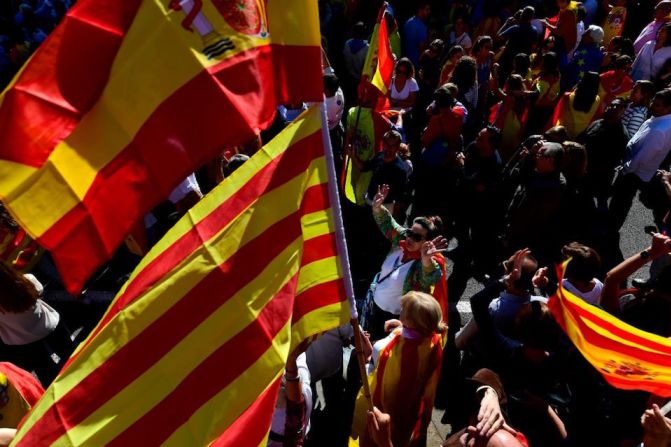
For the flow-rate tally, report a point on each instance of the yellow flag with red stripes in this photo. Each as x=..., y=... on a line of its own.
x=128, y=97
x=192, y=348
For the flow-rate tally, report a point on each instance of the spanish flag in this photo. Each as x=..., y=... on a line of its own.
x=378, y=67
x=193, y=347
x=126, y=98
x=627, y=357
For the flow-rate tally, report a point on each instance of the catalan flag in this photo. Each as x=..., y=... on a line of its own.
x=378, y=67
x=193, y=347
x=627, y=357
x=126, y=98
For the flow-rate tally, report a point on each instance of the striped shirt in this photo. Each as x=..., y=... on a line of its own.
x=633, y=118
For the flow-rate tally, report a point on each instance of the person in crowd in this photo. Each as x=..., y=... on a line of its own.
x=520, y=36
x=651, y=58
x=404, y=87
x=588, y=57
x=414, y=263
x=577, y=109
x=637, y=110
x=646, y=151
x=430, y=66
x=407, y=398
x=616, y=83
x=510, y=114
x=605, y=141
x=355, y=51
x=650, y=31
x=415, y=32
x=565, y=30
x=545, y=93
x=453, y=55
x=580, y=277
x=459, y=35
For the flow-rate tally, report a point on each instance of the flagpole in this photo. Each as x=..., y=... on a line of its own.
x=341, y=245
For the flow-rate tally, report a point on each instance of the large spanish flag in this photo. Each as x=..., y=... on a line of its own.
x=126, y=98
x=193, y=347
x=627, y=357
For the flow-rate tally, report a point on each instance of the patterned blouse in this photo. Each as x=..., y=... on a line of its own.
x=418, y=278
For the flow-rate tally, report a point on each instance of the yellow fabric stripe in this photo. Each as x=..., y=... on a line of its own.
x=317, y=224
x=138, y=73
x=304, y=126
x=318, y=321
x=222, y=325
x=577, y=302
x=318, y=272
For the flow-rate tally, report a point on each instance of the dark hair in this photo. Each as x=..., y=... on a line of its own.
x=405, y=62
x=585, y=262
x=622, y=61
x=359, y=31
x=454, y=50
x=432, y=224
x=522, y=63
x=550, y=64
x=535, y=326
x=331, y=82
x=667, y=27
x=647, y=90
x=480, y=42
x=465, y=74
x=627, y=47
x=575, y=157
x=527, y=14
x=17, y=294
x=586, y=92
x=556, y=134
x=443, y=97
x=494, y=134
x=665, y=96
x=515, y=82
x=555, y=151
x=529, y=267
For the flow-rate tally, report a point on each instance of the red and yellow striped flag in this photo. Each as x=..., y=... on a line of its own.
x=378, y=67
x=627, y=357
x=126, y=98
x=193, y=347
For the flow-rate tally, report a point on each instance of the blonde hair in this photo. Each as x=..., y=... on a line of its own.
x=423, y=311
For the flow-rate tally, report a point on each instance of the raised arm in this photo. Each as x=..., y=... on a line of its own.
x=389, y=227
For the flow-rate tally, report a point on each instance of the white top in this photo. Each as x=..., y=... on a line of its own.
x=648, y=63
x=31, y=325
x=648, y=148
x=409, y=87
x=591, y=297
x=388, y=293
x=334, y=108
x=464, y=41
x=188, y=185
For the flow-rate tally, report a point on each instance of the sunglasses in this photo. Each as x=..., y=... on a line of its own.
x=409, y=234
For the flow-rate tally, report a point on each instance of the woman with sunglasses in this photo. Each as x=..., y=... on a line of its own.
x=415, y=263
x=404, y=87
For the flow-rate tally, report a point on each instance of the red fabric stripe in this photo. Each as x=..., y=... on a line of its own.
x=319, y=296
x=245, y=429
x=379, y=370
x=656, y=388
x=320, y=247
x=316, y=197
x=615, y=330
x=283, y=168
x=182, y=134
x=213, y=375
x=63, y=79
x=163, y=334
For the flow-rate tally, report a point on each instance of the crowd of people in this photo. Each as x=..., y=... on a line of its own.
x=515, y=134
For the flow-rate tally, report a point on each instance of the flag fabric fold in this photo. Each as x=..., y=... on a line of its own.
x=378, y=67
x=126, y=98
x=192, y=348
x=627, y=357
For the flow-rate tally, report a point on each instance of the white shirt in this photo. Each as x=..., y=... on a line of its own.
x=591, y=297
x=388, y=293
x=31, y=325
x=409, y=87
x=334, y=108
x=648, y=63
x=464, y=41
x=648, y=148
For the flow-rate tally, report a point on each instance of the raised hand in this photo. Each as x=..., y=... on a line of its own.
x=661, y=244
x=380, y=197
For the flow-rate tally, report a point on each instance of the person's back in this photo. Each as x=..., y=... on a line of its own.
x=415, y=33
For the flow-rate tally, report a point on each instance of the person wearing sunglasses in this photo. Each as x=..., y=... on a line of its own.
x=415, y=263
x=404, y=87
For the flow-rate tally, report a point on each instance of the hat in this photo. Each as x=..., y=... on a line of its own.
x=595, y=32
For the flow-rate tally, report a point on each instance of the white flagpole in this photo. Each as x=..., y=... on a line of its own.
x=343, y=254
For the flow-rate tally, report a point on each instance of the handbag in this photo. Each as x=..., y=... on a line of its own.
x=368, y=306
